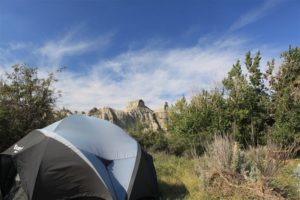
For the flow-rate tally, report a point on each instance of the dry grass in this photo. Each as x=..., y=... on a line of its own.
x=216, y=175
x=285, y=182
x=244, y=175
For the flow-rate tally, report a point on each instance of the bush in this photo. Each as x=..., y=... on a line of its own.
x=177, y=145
x=153, y=141
x=196, y=121
x=227, y=169
x=149, y=139
x=267, y=159
x=160, y=141
x=224, y=155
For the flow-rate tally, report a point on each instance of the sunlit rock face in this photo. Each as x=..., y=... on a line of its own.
x=135, y=112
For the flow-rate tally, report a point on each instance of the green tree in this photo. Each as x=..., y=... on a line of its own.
x=177, y=116
x=236, y=89
x=286, y=98
x=198, y=121
x=26, y=103
x=257, y=99
x=247, y=101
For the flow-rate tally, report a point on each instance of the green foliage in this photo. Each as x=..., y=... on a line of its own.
x=26, y=103
x=198, y=120
x=240, y=110
x=149, y=139
x=159, y=141
x=254, y=107
x=236, y=88
x=286, y=98
x=177, y=145
x=247, y=101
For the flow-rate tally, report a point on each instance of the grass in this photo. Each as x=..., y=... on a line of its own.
x=178, y=179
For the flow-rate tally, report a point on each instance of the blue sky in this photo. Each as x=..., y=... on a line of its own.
x=117, y=51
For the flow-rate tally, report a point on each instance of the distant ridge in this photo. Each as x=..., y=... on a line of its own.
x=135, y=112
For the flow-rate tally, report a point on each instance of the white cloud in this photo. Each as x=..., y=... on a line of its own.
x=54, y=51
x=155, y=75
x=254, y=15
x=151, y=73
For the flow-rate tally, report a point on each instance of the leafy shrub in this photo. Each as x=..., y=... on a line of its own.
x=149, y=139
x=177, y=145
x=27, y=102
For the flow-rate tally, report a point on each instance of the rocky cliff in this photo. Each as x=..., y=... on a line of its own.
x=135, y=112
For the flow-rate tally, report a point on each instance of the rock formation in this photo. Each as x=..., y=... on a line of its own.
x=161, y=115
x=135, y=112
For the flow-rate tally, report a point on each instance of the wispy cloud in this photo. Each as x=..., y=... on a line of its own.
x=254, y=15
x=70, y=44
x=154, y=74
x=52, y=52
x=10, y=54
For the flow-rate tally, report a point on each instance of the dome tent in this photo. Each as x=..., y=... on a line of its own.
x=77, y=158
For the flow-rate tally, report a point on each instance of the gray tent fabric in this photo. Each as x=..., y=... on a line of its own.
x=78, y=157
